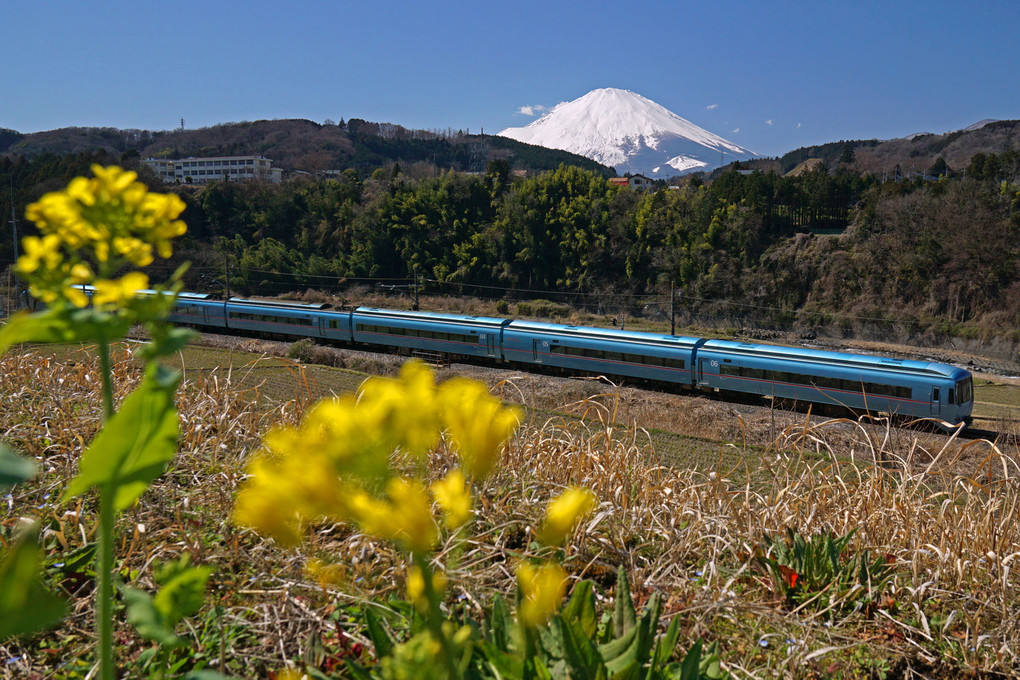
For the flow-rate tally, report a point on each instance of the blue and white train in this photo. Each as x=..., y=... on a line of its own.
x=838, y=380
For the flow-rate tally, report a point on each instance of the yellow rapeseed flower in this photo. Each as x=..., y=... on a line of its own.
x=111, y=214
x=563, y=513
x=477, y=423
x=119, y=291
x=111, y=219
x=403, y=410
x=327, y=574
x=542, y=590
x=454, y=496
x=416, y=587
x=404, y=517
x=39, y=253
x=280, y=493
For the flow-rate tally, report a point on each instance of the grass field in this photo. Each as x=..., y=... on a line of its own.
x=692, y=492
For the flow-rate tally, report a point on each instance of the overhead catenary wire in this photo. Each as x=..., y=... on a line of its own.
x=288, y=282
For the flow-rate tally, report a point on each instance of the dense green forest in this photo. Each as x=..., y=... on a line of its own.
x=821, y=247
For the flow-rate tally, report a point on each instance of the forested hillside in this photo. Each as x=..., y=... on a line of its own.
x=839, y=249
x=303, y=146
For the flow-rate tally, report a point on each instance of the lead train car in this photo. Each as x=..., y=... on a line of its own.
x=900, y=387
x=913, y=389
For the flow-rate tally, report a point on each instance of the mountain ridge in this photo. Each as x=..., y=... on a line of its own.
x=303, y=145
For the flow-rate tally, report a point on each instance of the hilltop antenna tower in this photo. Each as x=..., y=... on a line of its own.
x=182, y=124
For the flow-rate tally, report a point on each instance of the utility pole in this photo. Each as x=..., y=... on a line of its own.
x=226, y=293
x=14, y=227
x=672, y=311
x=226, y=263
x=416, y=288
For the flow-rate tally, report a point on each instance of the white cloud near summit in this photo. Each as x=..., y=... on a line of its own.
x=712, y=106
x=535, y=110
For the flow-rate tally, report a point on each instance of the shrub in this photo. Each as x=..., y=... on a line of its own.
x=306, y=351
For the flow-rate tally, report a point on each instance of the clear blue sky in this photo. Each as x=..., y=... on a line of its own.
x=770, y=76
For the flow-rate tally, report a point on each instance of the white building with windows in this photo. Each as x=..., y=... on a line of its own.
x=199, y=170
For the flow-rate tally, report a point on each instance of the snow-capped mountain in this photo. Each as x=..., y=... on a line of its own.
x=633, y=134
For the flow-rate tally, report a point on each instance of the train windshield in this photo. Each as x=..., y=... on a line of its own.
x=964, y=391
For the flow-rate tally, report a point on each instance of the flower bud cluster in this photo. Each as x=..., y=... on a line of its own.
x=104, y=222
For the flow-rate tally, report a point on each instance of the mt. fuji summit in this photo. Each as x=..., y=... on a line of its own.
x=633, y=134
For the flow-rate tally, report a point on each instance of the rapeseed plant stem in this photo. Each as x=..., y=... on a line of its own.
x=103, y=349
x=435, y=615
x=107, y=222
x=104, y=605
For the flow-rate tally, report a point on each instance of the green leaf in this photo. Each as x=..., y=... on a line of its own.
x=635, y=645
x=14, y=469
x=136, y=443
x=81, y=561
x=690, y=668
x=356, y=671
x=183, y=594
x=377, y=633
x=631, y=671
x=49, y=325
x=615, y=652
x=500, y=624
x=502, y=663
x=166, y=339
x=64, y=324
x=624, y=615
x=205, y=674
x=25, y=605
x=579, y=652
x=580, y=609
x=666, y=644
x=144, y=615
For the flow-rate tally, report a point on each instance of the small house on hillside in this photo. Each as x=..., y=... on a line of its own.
x=633, y=181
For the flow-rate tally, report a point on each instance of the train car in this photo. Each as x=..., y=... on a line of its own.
x=197, y=309
x=449, y=335
x=645, y=356
x=285, y=318
x=854, y=382
x=901, y=387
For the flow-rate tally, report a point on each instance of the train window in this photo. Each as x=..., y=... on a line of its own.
x=964, y=391
x=673, y=363
x=936, y=395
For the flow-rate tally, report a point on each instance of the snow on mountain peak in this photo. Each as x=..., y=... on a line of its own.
x=622, y=129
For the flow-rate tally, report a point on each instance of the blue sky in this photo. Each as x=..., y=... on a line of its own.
x=770, y=76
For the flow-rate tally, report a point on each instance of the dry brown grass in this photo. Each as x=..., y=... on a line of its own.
x=945, y=510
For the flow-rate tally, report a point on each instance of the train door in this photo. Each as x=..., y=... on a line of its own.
x=936, y=400
x=490, y=343
x=539, y=349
